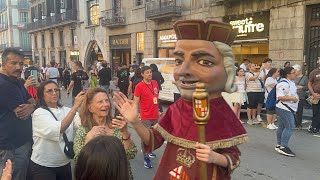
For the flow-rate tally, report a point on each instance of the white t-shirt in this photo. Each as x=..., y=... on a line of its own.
x=269, y=81
x=287, y=89
x=48, y=147
x=53, y=73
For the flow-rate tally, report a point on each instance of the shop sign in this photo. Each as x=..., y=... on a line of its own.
x=120, y=42
x=167, y=38
x=246, y=26
x=250, y=27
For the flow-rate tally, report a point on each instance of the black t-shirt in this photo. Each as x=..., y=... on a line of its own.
x=60, y=72
x=135, y=80
x=123, y=78
x=158, y=77
x=27, y=71
x=80, y=79
x=14, y=132
x=105, y=76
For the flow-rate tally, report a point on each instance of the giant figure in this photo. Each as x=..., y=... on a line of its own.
x=202, y=54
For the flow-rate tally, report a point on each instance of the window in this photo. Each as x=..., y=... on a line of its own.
x=138, y=2
x=52, y=39
x=23, y=17
x=63, y=5
x=35, y=42
x=140, y=41
x=25, y=40
x=93, y=12
x=42, y=40
x=61, y=38
x=73, y=33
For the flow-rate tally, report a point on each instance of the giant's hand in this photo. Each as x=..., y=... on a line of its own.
x=204, y=153
x=126, y=107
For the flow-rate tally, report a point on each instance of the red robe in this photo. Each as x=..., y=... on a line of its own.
x=223, y=132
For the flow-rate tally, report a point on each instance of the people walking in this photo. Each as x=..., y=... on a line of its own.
x=52, y=72
x=239, y=97
x=287, y=105
x=146, y=96
x=270, y=83
x=93, y=79
x=136, y=79
x=50, y=123
x=302, y=86
x=156, y=75
x=314, y=88
x=123, y=78
x=79, y=81
x=105, y=76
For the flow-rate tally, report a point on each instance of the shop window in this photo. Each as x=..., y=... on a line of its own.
x=140, y=41
x=93, y=12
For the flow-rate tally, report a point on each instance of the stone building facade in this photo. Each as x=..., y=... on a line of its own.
x=120, y=31
x=13, y=18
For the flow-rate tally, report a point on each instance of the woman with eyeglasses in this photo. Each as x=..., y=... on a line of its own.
x=49, y=122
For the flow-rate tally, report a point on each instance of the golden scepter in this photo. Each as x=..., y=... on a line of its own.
x=201, y=116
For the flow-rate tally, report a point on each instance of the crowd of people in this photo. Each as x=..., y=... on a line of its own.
x=292, y=89
x=39, y=136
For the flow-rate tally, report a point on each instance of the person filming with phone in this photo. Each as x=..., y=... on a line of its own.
x=96, y=120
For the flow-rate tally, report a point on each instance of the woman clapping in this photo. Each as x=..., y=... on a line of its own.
x=96, y=121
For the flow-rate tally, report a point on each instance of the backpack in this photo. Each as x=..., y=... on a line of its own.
x=272, y=98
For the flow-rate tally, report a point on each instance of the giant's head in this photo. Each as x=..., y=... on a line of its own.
x=203, y=54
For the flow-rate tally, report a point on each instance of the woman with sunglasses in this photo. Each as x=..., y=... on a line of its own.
x=49, y=122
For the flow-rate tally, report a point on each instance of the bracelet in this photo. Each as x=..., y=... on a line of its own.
x=126, y=138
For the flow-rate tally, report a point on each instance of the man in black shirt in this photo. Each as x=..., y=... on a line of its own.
x=16, y=106
x=123, y=78
x=79, y=81
x=28, y=70
x=105, y=76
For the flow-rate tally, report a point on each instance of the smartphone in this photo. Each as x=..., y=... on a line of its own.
x=34, y=74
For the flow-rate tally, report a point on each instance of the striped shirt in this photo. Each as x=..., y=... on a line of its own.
x=253, y=86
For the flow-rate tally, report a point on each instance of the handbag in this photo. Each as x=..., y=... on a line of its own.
x=68, y=148
x=311, y=100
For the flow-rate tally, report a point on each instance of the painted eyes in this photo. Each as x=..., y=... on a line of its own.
x=178, y=61
x=205, y=62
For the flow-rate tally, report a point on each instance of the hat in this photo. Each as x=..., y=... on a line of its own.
x=205, y=30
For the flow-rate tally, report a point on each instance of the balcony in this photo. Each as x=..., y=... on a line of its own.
x=2, y=47
x=113, y=19
x=23, y=4
x=67, y=17
x=159, y=9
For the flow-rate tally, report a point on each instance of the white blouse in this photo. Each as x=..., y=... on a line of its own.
x=48, y=147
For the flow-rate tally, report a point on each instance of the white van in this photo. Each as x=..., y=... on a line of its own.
x=165, y=66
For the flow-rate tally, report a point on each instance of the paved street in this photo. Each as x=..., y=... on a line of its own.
x=259, y=159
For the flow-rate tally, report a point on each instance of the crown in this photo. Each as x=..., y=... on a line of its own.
x=185, y=157
x=205, y=30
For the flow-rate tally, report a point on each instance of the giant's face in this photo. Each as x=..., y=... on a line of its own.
x=198, y=61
